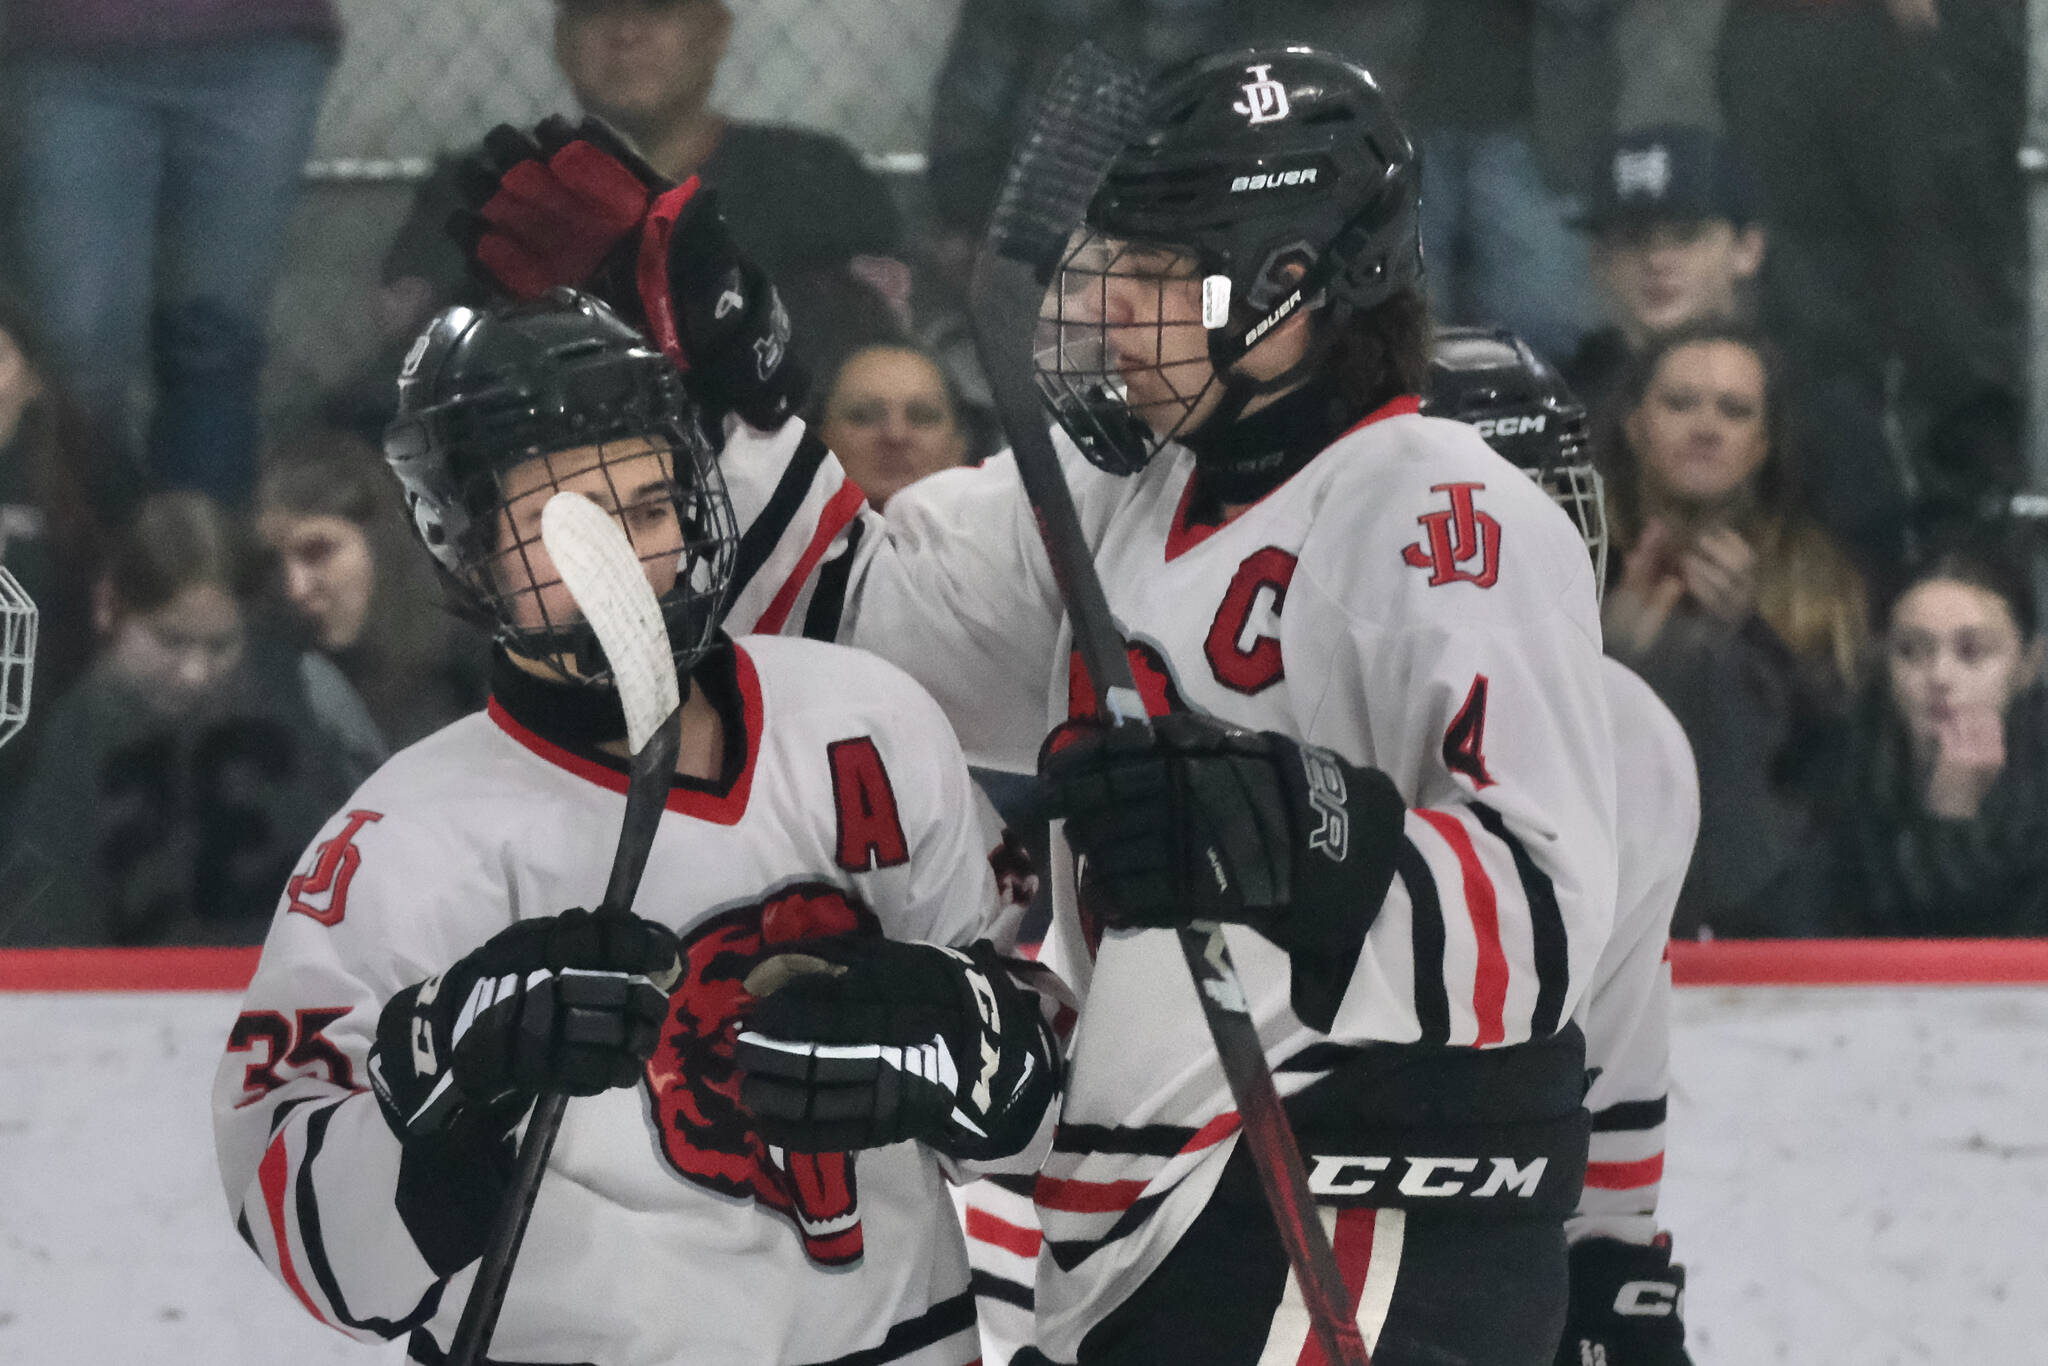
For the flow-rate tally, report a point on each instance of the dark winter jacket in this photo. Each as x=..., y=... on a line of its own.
x=1753, y=713
x=136, y=828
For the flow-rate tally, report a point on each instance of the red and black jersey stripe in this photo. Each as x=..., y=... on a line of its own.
x=1546, y=926
x=1630, y=1116
x=307, y=1204
x=1426, y=919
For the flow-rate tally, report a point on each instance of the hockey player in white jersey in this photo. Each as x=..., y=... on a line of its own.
x=1627, y=1297
x=425, y=978
x=1389, y=763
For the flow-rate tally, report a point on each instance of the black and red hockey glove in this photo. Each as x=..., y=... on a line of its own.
x=1190, y=819
x=1627, y=1306
x=860, y=1043
x=571, y=1003
x=574, y=204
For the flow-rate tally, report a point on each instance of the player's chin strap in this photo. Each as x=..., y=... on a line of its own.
x=1242, y=458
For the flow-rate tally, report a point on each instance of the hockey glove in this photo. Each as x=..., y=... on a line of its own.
x=571, y=1003
x=574, y=204
x=1194, y=820
x=859, y=1043
x=1626, y=1302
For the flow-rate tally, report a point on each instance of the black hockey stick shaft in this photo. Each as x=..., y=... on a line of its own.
x=646, y=796
x=1005, y=291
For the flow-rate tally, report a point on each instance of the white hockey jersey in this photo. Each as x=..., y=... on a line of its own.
x=664, y=1232
x=1408, y=600
x=1626, y=1014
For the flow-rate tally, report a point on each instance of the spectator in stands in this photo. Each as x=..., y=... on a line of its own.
x=176, y=784
x=1942, y=827
x=1884, y=135
x=1505, y=160
x=1675, y=241
x=891, y=418
x=800, y=200
x=332, y=517
x=1732, y=603
x=158, y=149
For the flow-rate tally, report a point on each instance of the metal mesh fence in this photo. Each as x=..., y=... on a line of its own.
x=419, y=77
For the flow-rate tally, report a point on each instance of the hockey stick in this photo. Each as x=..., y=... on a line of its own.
x=1081, y=122
x=603, y=574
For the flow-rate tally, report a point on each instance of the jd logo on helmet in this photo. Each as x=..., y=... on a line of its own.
x=1265, y=99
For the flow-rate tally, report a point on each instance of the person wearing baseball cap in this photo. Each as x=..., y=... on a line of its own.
x=1673, y=218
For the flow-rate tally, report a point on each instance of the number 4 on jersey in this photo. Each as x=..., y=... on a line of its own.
x=1465, y=737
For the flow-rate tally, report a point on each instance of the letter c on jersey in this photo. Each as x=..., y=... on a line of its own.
x=1243, y=646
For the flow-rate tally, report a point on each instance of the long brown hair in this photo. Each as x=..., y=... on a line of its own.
x=1382, y=352
x=178, y=540
x=1808, y=591
x=401, y=663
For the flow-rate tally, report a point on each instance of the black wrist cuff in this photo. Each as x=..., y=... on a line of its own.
x=1027, y=1079
x=1352, y=822
x=450, y=1189
x=1629, y=1293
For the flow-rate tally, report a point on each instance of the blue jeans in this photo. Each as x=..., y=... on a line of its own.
x=154, y=186
x=1497, y=241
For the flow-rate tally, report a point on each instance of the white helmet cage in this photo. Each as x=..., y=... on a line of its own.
x=17, y=654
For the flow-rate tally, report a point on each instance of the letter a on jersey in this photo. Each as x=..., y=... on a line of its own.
x=1460, y=544
x=870, y=832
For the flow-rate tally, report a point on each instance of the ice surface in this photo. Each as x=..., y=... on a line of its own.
x=1857, y=1176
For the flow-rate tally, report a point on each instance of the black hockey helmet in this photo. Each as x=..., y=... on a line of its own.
x=483, y=394
x=1285, y=177
x=1494, y=381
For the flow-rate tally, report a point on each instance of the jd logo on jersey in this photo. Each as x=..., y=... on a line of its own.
x=1460, y=544
x=1265, y=99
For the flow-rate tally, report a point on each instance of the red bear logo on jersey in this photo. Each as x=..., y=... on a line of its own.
x=695, y=1087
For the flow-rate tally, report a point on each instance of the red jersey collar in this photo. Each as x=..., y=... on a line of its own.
x=684, y=797
x=1181, y=538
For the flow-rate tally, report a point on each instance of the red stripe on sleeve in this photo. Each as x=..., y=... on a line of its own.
x=1212, y=1133
x=271, y=1174
x=1490, y=978
x=984, y=1227
x=841, y=510
x=1086, y=1197
x=1625, y=1176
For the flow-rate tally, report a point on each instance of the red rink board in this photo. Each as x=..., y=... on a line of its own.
x=1722, y=963
x=1858, y=962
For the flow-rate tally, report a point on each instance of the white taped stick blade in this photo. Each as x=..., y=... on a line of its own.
x=17, y=655
x=602, y=573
